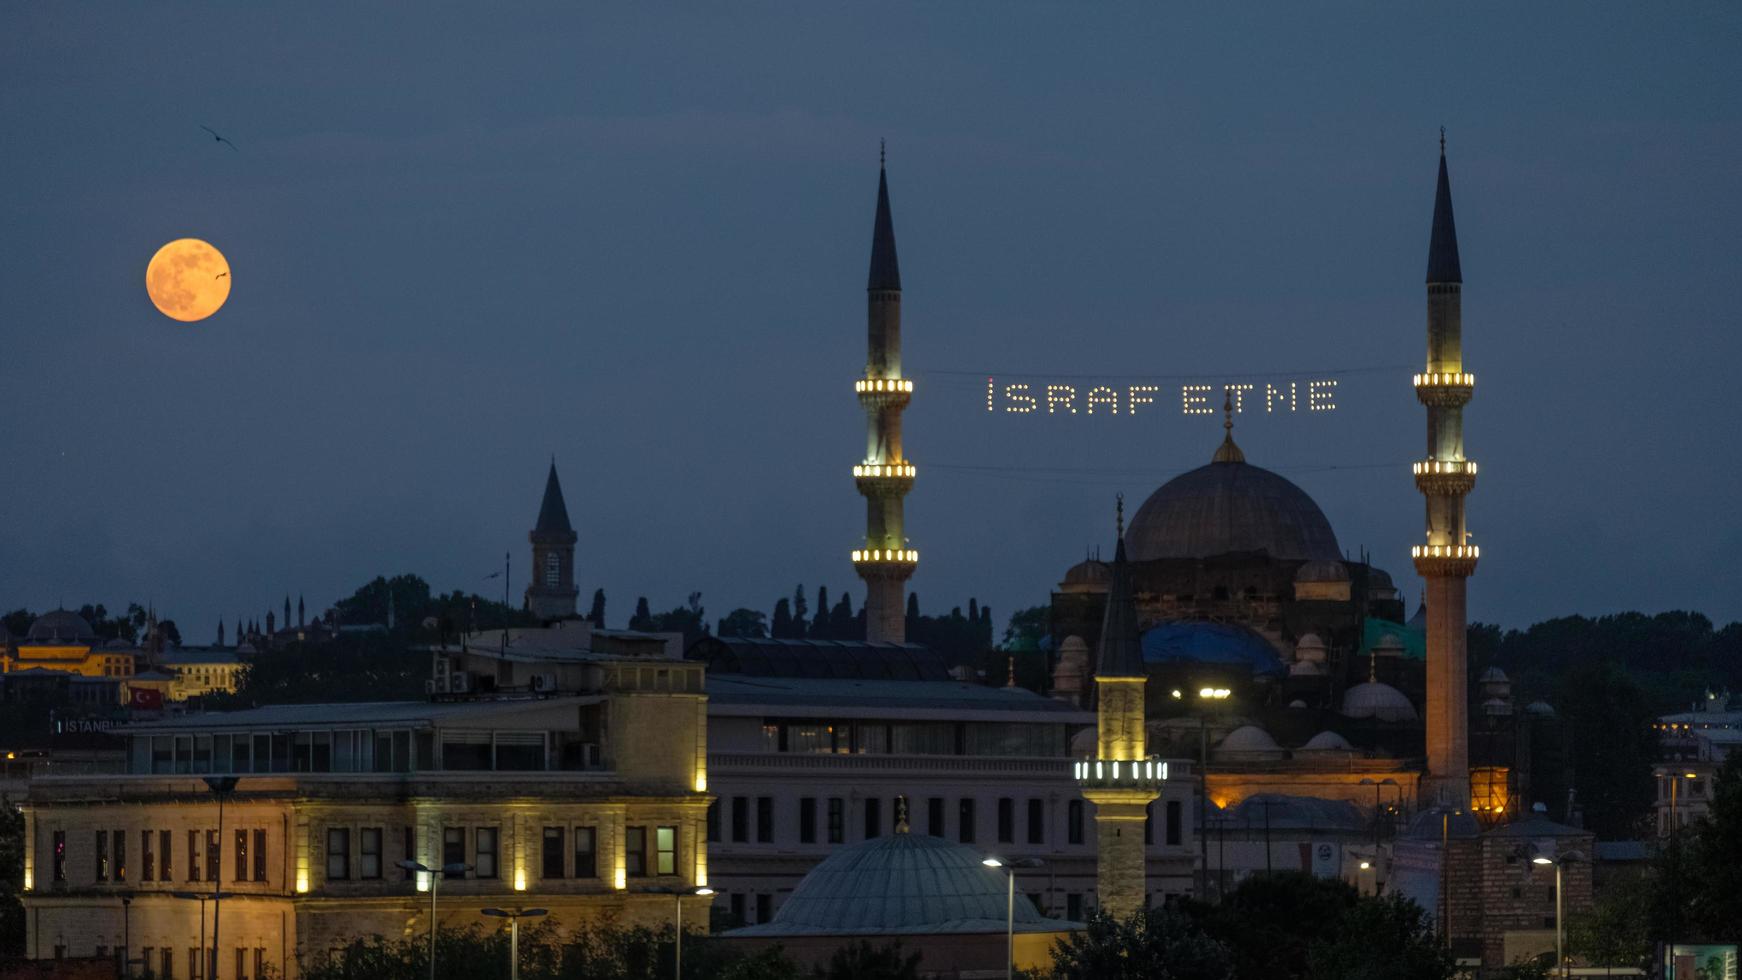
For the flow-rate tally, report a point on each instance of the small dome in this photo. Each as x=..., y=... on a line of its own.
x=1297, y=703
x=1497, y=706
x=1540, y=709
x=1327, y=742
x=1247, y=740
x=1084, y=743
x=1379, y=701
x=61, y=625
x=1087, y=576
x=1388, y=646
x=1306, y=668
x=1310, y=649
x=1493, y=675
x=1322, y=571
x=901, y=884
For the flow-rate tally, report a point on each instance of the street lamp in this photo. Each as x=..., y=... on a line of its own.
x=1009, y=868
x=200, y=897
x=1204, y=694
x=221, y=787
x=514, y=916
x=1542, y=856
x=435, y=880
x=126, y=935
x=1446, y=816
x=1377, y=788
x=677, y=895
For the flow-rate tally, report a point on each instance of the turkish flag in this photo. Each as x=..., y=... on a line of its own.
x=148, y=699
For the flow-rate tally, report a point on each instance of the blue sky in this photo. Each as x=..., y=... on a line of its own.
x=636, y=238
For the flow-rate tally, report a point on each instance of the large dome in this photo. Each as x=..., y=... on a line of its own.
x=61, y=625
x=901, y=883
x=1227, y=506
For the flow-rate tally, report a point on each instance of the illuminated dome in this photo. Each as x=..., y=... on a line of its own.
x=1248, y=742
x=1228, y=506
x=897, y=884
x=1327, y=742
x=61, y=626
x=1378, y=701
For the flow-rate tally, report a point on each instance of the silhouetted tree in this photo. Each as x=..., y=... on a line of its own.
x=1152, y=942
x=1027, y=628
x=842, y=624
x=781, y=628
x=597, y=615
x=862, y=961
x=1381, y=938
x=747, y=623
x=819, y=629
x=800, y=613
x=643, y=619
x=689, y=619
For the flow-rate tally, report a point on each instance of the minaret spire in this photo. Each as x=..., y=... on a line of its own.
x=1445, y=477
x=885, y=475
x=551, y=592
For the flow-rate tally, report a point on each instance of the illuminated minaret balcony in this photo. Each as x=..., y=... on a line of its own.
x=1445, y=477
x=875, y=393
x=884, y=479
x=1445, y=389
x=1445, y=560
x=1142, y=775
x=885, y=563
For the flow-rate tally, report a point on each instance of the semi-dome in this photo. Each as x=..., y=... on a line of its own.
x=1540, y=709
x=1089, y=575
x=1230, y=505
x=1198, y=642
x=61, y=626
x=901, y=883
x=1322, y=571
x=1379, y=701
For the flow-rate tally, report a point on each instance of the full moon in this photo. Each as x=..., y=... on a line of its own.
x=188, y=280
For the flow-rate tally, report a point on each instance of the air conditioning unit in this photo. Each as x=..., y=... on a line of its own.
x=460, y=682
x=544, y=682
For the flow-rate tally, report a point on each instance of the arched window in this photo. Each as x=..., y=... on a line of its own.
x=553, y=569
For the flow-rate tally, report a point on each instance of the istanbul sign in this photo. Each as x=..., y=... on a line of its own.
x=1274, y=396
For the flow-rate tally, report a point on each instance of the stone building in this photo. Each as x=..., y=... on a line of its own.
x=570, y=775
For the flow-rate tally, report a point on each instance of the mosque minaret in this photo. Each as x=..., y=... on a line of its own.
x=885, y=475
x=1121, y=780
x=1447, y=558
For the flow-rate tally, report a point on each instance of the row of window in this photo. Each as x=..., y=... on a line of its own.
x=647, y=850
x=1020, y=739
x=834, y=819
x=159, y=961
x=203, y=856
x=362, y=750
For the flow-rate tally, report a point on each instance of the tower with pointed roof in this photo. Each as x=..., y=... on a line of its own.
x=552, y=593
x=885, y=475
x=1122, y=779
x=1447, y=558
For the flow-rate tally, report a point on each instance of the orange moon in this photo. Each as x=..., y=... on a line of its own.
x=188, y=280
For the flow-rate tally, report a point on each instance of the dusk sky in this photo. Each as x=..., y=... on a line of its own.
x=463, y=240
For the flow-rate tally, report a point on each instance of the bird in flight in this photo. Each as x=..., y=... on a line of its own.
x=220, y=139
x=220, y=275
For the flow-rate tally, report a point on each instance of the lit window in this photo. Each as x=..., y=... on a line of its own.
x=484, y=839
x=665, y=843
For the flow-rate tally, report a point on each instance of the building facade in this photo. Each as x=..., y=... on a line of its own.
x=586, y=796
x=818, y=745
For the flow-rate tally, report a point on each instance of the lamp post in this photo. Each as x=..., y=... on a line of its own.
x=1445, y=872
x=435, y=879
x=1377, y=788
x=1009, y=869
x=1560, y=922
x=514, y=916
x=677, y=895
x=127, y=935
x=221, y=787
x=1204, y=694
x=200, y=897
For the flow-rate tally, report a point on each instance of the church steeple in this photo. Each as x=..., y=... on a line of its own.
x=551, y=594
x=1442, y=249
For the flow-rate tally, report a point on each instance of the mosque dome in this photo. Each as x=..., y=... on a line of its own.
x=1248, y=741
x=1492, y=675
x=1379, y=701
x=1089, y=575
x=1540, y=709
x=1228, y=506
x=1327, y=742
x=1310, y=649
x=898, y=884
x=1221, y=644
x=1388, y=646
x=63, y=626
